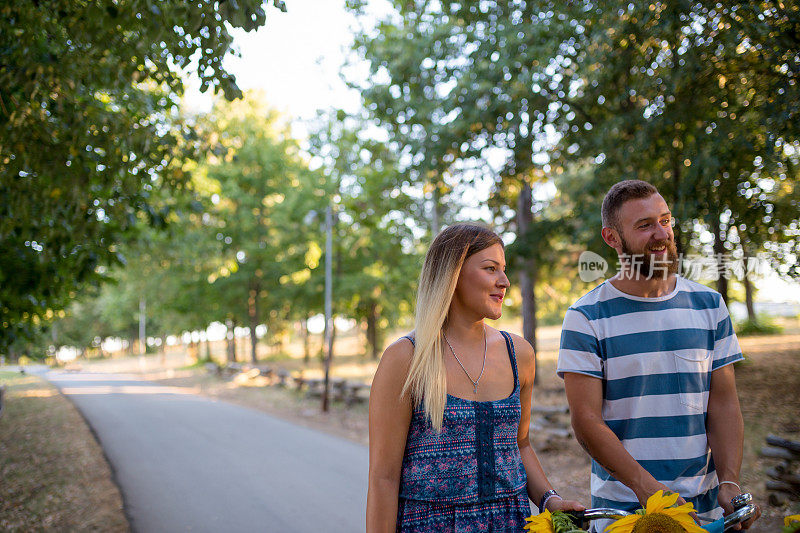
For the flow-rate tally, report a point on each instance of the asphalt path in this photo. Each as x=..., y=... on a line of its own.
x=188, y=463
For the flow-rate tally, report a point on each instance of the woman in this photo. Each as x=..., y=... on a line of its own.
x=450, y=406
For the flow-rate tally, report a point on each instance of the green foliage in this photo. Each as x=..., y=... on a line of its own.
x=269, y=255
x=679, y=95
x=244, y=240
x=88, y=136
x=761, y=326
x=699, y=99
x=562, y=523
x=377, y=256
x=452, y=82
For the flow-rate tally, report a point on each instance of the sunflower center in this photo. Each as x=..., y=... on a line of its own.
x=657, y=523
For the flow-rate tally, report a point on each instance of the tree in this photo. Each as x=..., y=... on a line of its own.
x=458, y=80
x=695, y=97
x=377, y=256
x=87, y=132
x=680, y=95
x=265, y=192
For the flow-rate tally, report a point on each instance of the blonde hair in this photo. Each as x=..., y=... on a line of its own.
x=426, y=381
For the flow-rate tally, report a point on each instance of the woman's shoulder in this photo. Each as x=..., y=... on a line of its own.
x=522, y=349
x=393, y=366
x=398, y=354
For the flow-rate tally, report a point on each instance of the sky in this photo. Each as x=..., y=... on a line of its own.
x=297, y=56
x=296, y=59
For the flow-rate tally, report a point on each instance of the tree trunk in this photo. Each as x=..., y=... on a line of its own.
x=372, y=329
x=231, y=340
x=142, y=327
x=677, y=198
x=208, y=348
x=252, y=310
x=54, y=333
x=162, y=349
x=193, y=351
x=435, y=222
x=527, y=274
x=306, y=341
x=748, y=287
x=720, y=257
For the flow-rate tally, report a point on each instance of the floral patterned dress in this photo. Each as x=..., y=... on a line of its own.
x=470, y=477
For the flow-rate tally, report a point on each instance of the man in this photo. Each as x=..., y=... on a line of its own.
x=646, y=358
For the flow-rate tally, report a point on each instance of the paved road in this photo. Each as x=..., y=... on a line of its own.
x=188, y=463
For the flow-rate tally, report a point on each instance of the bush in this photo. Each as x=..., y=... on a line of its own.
x=761, y=326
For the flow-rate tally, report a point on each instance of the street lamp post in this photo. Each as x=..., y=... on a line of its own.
x=328, y=303
x=310, y=217
x=142, y=333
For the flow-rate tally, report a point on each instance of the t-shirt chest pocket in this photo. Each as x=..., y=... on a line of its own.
x=692, y=372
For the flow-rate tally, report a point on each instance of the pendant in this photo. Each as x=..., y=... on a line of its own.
x=475, y=388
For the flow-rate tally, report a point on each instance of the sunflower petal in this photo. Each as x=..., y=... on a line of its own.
x=623, y=525
x=688, y=523
x=686, y=508
x=659, y=501
x=541, y=523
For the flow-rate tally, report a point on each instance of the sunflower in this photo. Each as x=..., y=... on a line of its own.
x=791, y=523
x=659, y=516
x=551, y=523
x=541, y=523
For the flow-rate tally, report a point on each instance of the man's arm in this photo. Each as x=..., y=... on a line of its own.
x=585, y=397
x=725, y=429
x=537, y=483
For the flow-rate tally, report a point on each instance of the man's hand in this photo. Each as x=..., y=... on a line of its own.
x=648, y=488
x=727, y=492
x=645, y=491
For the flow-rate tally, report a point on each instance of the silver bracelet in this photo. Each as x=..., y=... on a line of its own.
x=731, y=483
x=547, y=499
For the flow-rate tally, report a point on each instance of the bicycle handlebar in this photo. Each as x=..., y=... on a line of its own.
x=744, y=510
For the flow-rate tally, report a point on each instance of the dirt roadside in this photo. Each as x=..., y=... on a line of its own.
x=54, y=474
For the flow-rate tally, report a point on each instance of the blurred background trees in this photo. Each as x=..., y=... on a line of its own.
x=89, y=134
x=521, y=113
x=685, y=95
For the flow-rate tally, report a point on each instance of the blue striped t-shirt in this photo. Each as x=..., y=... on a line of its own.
x=655, y=357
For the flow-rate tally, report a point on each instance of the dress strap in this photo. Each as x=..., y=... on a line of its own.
x=509, y=347
x=512, y=356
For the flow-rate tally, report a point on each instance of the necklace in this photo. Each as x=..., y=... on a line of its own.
x=483, y=367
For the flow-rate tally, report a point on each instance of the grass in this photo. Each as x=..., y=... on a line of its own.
x=761, y=326
x=200, y=363
x=54, y=474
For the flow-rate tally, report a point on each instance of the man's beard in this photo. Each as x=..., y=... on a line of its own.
x=647, y=264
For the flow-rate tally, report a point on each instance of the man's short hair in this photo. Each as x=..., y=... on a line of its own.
x=620, y=193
